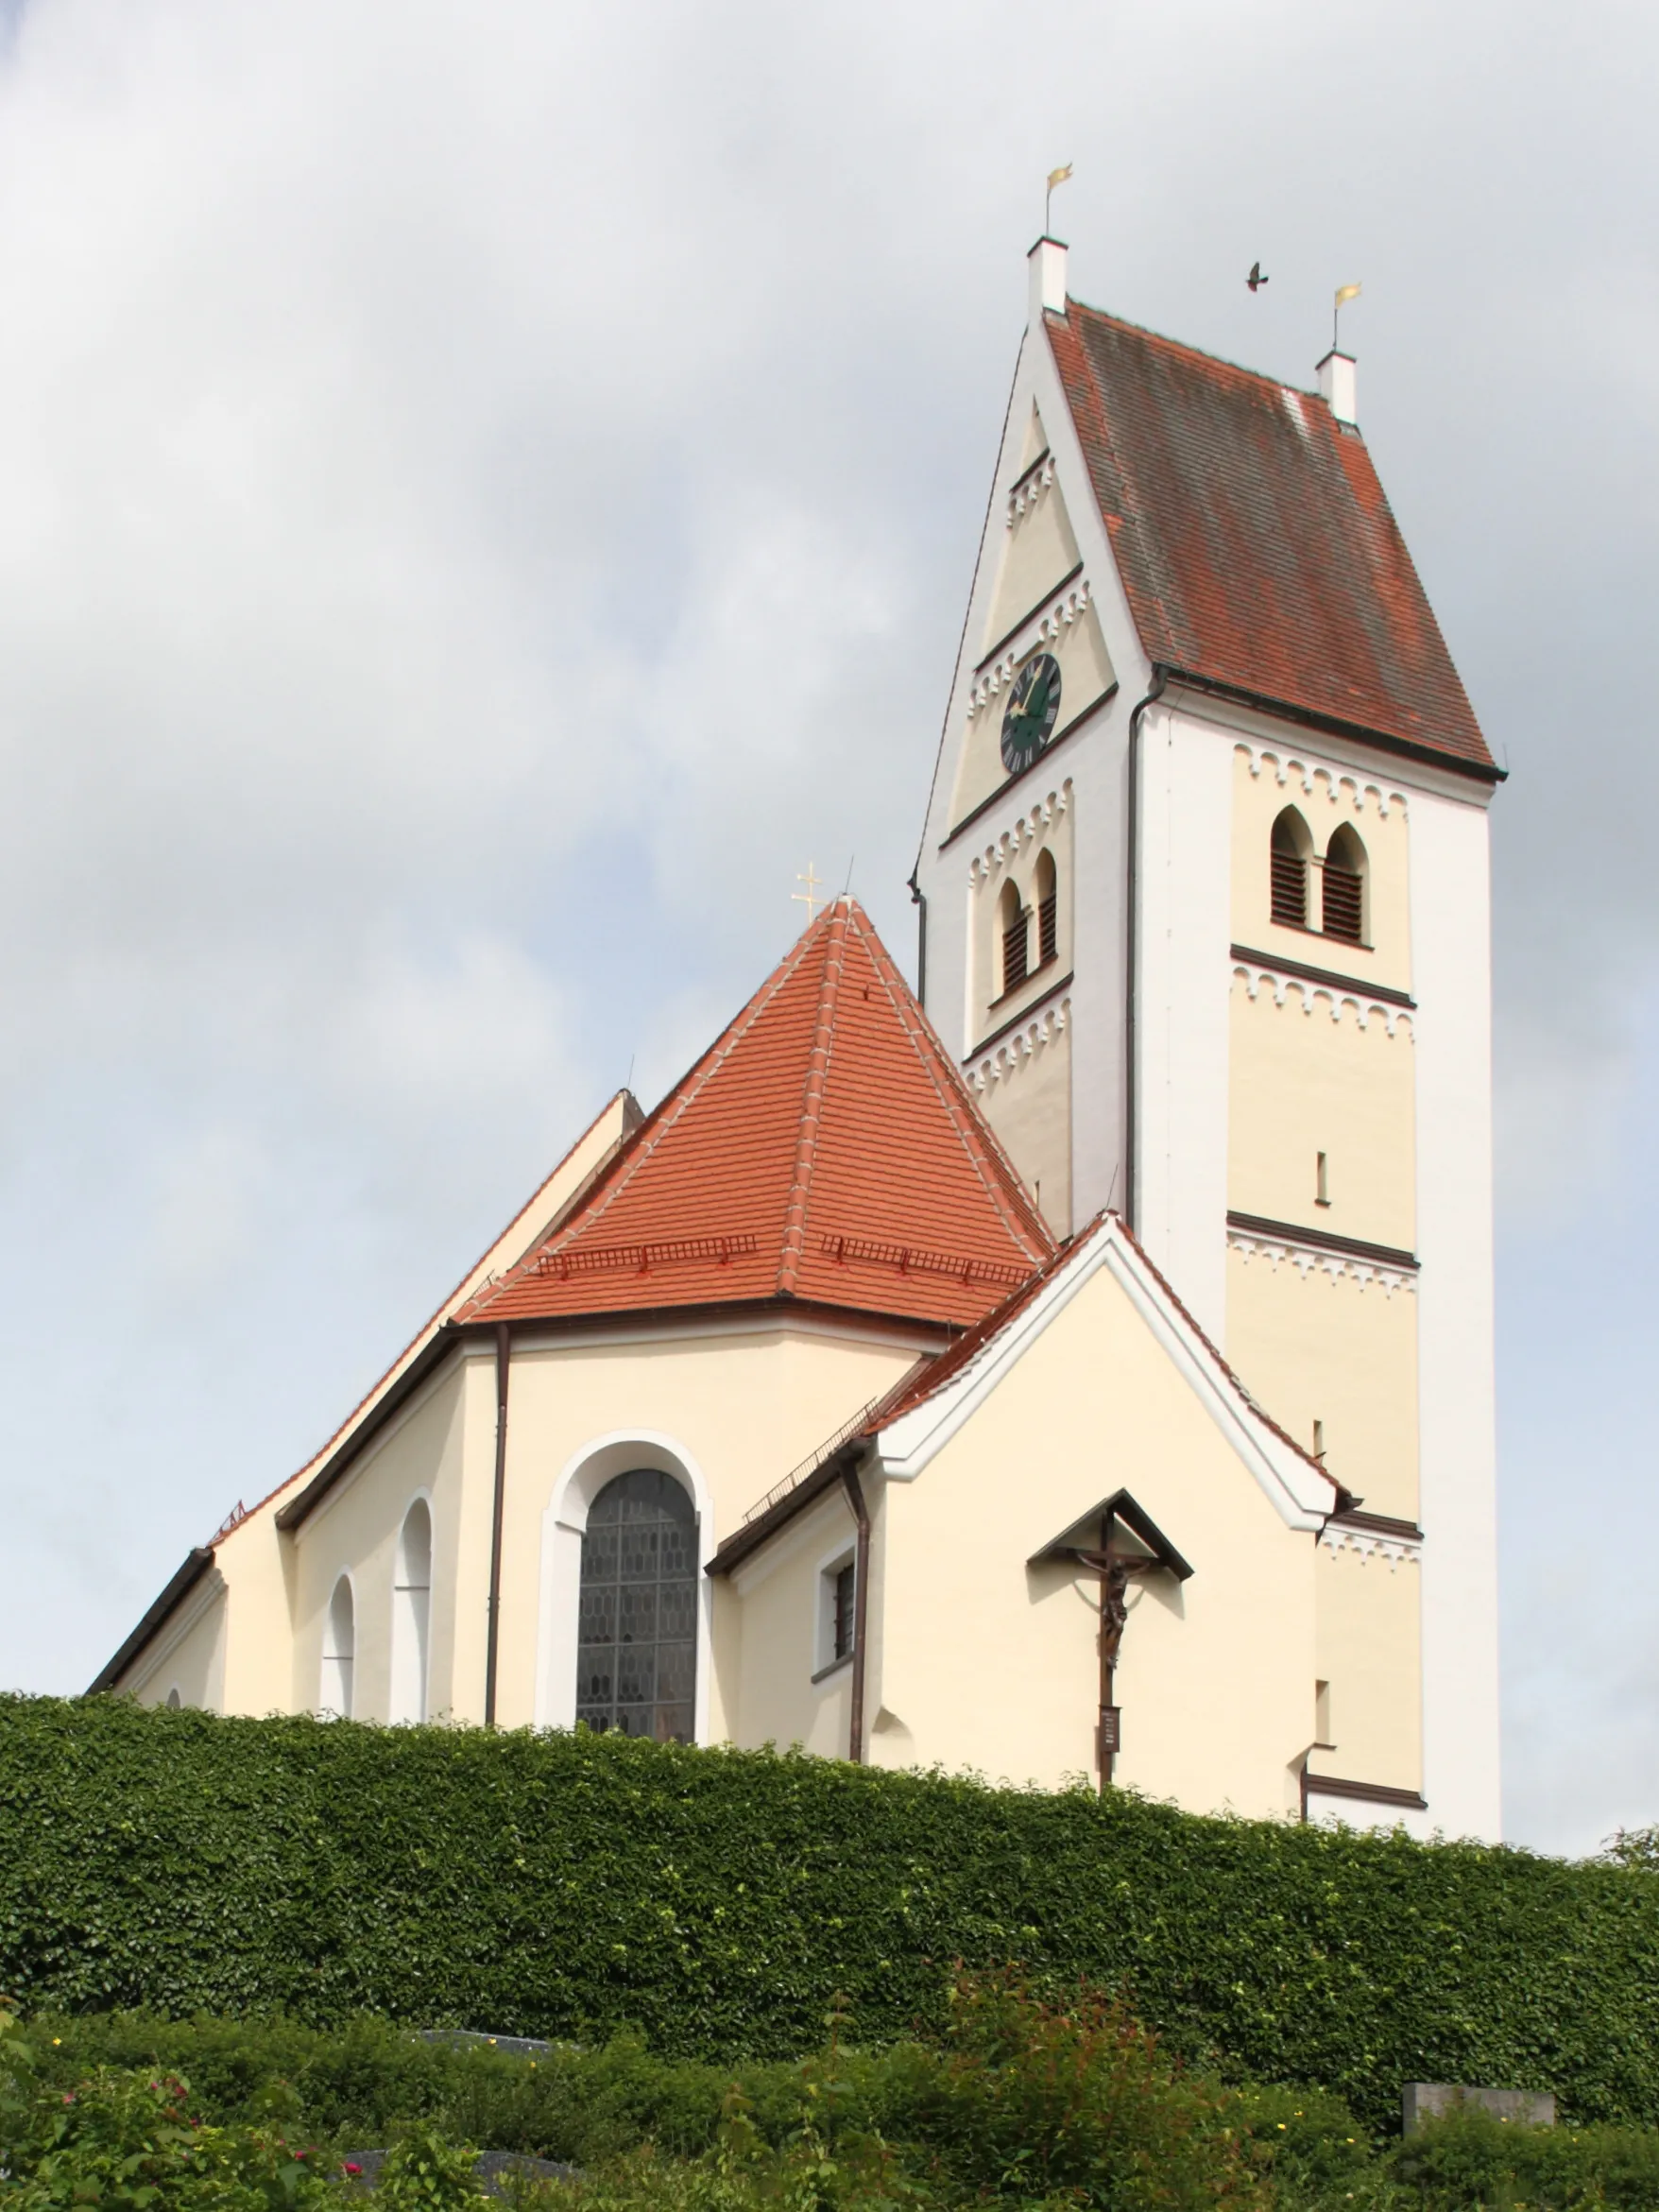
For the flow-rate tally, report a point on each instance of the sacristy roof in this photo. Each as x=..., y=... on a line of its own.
x=1256, y=545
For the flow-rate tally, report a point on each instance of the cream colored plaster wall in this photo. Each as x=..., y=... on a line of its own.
x=1370, y=1654
x=990, y=1664
x=741, y=1405
x=189, y=1656
x=1039, y=548
x=356, y=1532
x=1024, y=1091
x=1264, y=784
x=1307, y=1076
x=784, y=1604
x=1316, y=1341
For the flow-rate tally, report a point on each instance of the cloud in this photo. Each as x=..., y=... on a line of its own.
x=486, y=503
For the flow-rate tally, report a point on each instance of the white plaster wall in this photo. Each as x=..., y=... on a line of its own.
x=1094, y=760
x=1185, y=978
x=1452, y=965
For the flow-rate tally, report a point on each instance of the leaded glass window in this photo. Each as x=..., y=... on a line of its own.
x=637, y=1640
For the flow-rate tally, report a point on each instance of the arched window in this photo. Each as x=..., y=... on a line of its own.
x=411, y=1614
x=1291, y=846
x=1344, y=886
x=339, y=1652
x=1047, y=906
x=175, y=1703
x=1014, y=932
x=636, y=1637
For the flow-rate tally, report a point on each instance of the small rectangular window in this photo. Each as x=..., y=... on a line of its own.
x=1321, y=1179
x=845, y=1615
x=1325, y=1741
x=1319, y=1439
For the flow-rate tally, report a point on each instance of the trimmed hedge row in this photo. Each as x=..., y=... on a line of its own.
x=567, y=1886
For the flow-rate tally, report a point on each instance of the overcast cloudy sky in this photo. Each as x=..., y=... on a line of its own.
x=485, y=499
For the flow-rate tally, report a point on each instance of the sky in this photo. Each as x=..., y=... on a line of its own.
x=484, y=500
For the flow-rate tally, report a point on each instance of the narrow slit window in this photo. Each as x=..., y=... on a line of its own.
x=1344, y=887
x=845, y=1614
x=1319, y=1439
x=1288, y=861
x=1321, y=1179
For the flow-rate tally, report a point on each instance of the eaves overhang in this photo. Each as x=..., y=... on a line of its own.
x=1363, y=733
x=177, y=1590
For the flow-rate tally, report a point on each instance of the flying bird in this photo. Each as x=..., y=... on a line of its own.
x=1255, y=279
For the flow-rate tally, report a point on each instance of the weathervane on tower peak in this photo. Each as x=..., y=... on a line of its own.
x=1057, y=176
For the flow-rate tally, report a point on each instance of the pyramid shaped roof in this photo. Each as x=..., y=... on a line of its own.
x=825, y=1149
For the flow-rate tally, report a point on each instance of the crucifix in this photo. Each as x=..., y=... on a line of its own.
x=1115, y=1569
x=808, y=898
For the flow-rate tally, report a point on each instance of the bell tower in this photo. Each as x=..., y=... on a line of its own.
x=1203, y=885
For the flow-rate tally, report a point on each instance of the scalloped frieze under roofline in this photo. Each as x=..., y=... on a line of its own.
x=1017, y=841
x=1309, y=773
x=1256, y=1244
x=1021, y=1048
x=1041, y=626
x=1253, y=974
x=1369, y=1544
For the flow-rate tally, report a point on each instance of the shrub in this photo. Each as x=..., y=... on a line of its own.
x=577, y=1886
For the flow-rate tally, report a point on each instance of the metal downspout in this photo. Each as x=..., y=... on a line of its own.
x=855, y=1497
x=502, y=1368
x=1161, y=677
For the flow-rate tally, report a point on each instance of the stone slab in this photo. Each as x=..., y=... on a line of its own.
x=1527, y=2108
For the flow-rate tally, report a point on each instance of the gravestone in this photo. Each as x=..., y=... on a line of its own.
x=1527, y=2108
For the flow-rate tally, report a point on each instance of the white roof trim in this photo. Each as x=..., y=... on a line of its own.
x=1302, y=1497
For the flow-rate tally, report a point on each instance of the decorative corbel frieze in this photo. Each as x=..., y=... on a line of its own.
x=1029, y=489
x=1369, y=1544
x=1341, y=786
x=1020, y=1047
x=1020, y=836
x=1309, y=1259
x=1333, y=997
x=1045, y=625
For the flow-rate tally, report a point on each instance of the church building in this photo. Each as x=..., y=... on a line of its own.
x=1081, y=1367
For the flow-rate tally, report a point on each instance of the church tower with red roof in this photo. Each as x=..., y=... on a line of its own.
x=1204, y=887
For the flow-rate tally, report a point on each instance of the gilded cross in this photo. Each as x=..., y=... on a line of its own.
x=808, y=898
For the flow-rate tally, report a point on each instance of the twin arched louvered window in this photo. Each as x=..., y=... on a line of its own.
x=1341, y=879
x=1014, y=920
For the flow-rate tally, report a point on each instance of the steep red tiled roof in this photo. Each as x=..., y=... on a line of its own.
x=825, y=1149
x=1254, y=540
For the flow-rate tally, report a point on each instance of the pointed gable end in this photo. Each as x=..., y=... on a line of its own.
x=824, y=1150
x=1256, y=545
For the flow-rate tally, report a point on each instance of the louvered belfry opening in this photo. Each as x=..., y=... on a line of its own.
x=1047, y=891
x=1016, y=941
x=1344, y=887
x=1290, y=869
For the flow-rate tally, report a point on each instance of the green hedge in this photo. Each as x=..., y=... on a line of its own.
x=571, y=1885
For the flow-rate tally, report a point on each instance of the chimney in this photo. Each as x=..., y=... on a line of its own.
x=1047, y=258
x=1336, y=387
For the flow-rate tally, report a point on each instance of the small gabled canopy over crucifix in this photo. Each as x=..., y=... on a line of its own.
x=1119, y=1539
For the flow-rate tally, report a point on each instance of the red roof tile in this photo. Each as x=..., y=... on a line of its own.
x=1254, y=543
x=825, y=1149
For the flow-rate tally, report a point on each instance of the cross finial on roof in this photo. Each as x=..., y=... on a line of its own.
x=808, y=896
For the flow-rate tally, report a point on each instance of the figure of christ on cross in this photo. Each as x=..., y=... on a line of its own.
x=1115, y=1569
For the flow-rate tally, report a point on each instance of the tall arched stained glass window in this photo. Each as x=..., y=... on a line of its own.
x=637, y=1643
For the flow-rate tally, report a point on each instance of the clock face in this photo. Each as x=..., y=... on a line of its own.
x=1028, y=722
